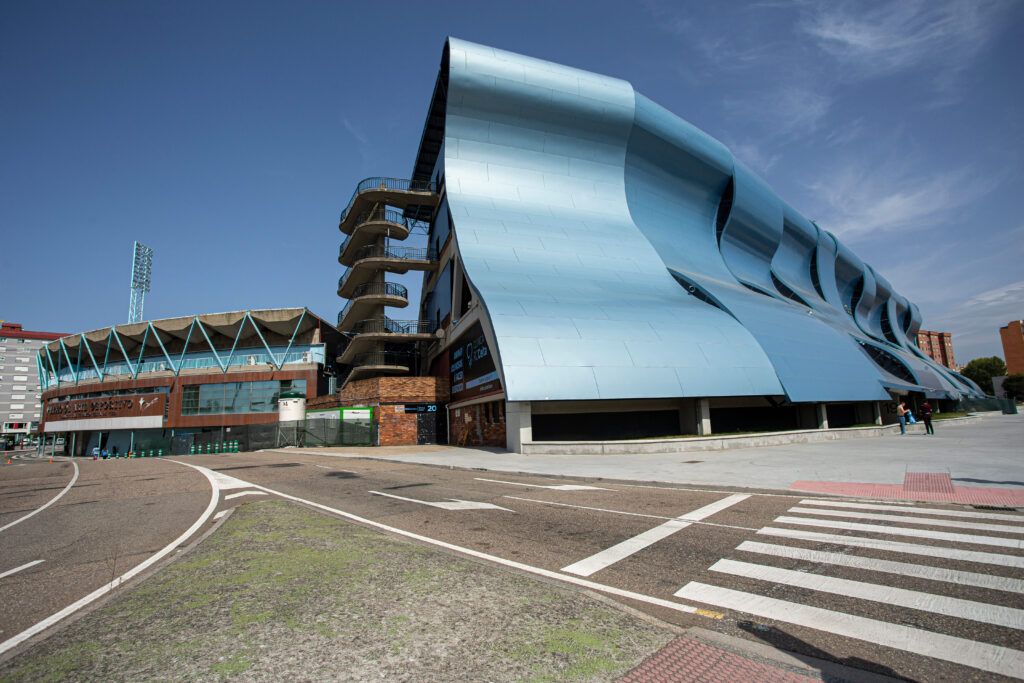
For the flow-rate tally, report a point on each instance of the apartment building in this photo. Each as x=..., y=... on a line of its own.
x=19, y=381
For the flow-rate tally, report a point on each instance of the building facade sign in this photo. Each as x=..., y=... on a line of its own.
x=472, y=368
x=145, y=405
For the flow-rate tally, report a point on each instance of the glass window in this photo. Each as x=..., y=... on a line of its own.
x=211, y=399
x=190, y=400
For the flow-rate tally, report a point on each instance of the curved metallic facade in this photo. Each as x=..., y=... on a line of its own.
x=622, y=253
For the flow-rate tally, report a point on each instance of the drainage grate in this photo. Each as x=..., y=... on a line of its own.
x=1001, y=508
x=691, y=462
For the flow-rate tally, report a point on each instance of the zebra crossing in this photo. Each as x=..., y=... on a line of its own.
x=863, y=538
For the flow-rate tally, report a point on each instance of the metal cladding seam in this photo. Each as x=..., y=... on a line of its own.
x=585, y=217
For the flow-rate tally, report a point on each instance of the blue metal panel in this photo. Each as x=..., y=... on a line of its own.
x=620, y=252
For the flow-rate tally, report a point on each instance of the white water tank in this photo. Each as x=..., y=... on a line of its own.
x=291, y=406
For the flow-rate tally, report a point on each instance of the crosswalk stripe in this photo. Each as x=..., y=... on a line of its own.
x=992, y=658
x=882, y=517
x=609, y=556
x=898, y=547
x=920, y=571
x=902, y=531
x=912, y=510
x=997, y=615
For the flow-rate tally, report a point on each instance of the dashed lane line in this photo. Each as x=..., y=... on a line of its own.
x=992, y=658
x=21, y=568
x=553, y=487
x=919, y=571
x=593, y=564
x=103, y=590
x=244, y=493
x=624, y=513
x=52, y=501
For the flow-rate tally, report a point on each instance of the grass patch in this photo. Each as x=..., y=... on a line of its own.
x=947, y=416
x=282, y=593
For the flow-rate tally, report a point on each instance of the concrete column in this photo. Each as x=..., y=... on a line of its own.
x=688, y=422
x=703, y=415
x=518, y=425
x=877, y=409
x=822, y=415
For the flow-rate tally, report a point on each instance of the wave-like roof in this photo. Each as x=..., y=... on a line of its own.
x=623, y=253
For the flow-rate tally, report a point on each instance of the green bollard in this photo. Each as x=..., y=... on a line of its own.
x=192, y=449
x=234, y=446
x=160, y=453
x=208, y=448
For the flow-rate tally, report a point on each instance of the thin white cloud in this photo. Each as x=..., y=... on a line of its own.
x=863, y=199
x=753, y=156
x=885, y=38
x=355, y=132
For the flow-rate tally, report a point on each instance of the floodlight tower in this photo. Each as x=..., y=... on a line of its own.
x=142, y=268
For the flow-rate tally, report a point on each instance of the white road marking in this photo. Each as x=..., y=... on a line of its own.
x=920, y=571
x=22, y=567
x=901, y=531
x=556, y=487
x=996, y=615
x=882, y=517
x=224, y=482
x=103, y=590
x=622, y=512
x=323, y=467
x=611, y=590
x=620, y=551
x=52, y=501
x=244, y=493
x=454, y=504
x=913, y=510
x=221, y=513
x=992, y=658
x=899, y=547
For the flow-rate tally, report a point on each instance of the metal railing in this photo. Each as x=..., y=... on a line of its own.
x=381, y=215
x=403, y=253
x=379, y=325
x=373, y=289
x=400, y=184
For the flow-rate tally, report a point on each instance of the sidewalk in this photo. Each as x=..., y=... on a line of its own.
x=981, y=453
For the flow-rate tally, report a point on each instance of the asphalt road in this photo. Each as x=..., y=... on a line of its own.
x=928, y=591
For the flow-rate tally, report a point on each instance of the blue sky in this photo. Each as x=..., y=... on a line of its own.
x=229, y=135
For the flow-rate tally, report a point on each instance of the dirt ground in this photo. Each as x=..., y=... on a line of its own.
x=280, y=592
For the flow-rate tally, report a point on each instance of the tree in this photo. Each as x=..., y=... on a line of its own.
x=1013, y=387
x=982, y=370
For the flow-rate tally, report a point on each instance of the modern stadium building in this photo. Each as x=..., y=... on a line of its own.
x=596, y=267
x=180, y=383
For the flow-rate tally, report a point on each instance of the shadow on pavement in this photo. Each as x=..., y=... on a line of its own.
x=798, y=648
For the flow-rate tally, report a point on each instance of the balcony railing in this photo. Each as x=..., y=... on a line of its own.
x=373, y=289
x=382, y=325
x=400, y=184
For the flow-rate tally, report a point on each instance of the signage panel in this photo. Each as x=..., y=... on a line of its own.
x=472, y=366
x=144, y=405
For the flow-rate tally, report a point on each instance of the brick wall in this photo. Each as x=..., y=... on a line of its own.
x=389, y=396
x=1013, y=347
x=482, y=424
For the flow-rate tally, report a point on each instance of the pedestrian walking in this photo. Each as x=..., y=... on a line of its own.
x=901, y=415
x=926, y=415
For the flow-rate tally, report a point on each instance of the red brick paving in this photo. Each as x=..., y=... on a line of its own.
x=685, y=659
x=934, y=487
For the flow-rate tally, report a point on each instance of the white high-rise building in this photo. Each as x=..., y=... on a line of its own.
x=20, y=406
